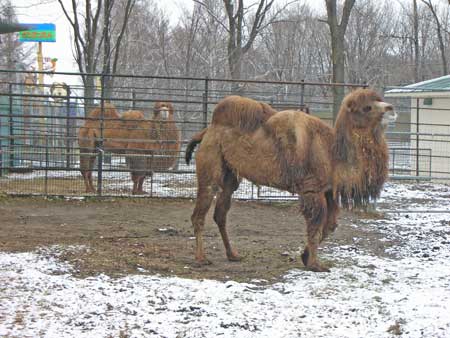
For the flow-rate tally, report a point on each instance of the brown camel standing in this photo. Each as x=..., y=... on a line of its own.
x=116, y=132
x=154, y=147
x=149, y=144
x=291, y=151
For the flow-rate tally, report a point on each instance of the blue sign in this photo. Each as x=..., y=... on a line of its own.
x=38, y=32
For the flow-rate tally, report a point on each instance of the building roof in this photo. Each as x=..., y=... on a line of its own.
x=437, y=87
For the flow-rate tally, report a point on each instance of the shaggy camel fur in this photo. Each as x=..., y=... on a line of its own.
x=155, y=145
x=291, y=151
x=128, y=134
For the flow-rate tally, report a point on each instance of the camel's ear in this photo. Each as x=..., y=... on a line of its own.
x=353, y=105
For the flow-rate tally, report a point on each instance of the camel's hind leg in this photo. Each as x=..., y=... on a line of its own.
x=205, y=195
x=223, y=204
x=138, y=166
x=210, y=175
x=86, y=165
x=138, y=184
x=316, y=216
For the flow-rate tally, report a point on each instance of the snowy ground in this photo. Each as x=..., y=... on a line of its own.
x=374, y=297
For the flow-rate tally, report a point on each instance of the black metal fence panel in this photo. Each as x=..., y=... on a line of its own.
x=42, y=149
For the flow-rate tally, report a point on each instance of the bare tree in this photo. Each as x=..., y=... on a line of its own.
x=439, y=29
x=337, y=32
x=416, y=41
x=89, y=36
x=369, y=44
x=237, y=47
x=241, y=35
x=111, y=49
x=13, y=54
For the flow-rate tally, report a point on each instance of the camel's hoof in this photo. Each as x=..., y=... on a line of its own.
x=140, y=193
x=312, y=267
x=317, y=268
x=305, y=256
x=202, y=262
x=234, y=258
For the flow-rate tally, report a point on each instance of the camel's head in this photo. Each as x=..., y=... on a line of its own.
x=364, y=108
x=360, y=109
x=59, y=91
x=163, y=111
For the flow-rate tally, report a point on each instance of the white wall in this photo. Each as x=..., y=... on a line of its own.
x=438, y=115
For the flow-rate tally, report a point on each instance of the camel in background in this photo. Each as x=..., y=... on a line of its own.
x=291, y=151
x=154, y=146
x=132, y=135
x=116, y=132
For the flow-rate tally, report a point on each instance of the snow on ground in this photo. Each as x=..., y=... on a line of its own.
x=408, y=293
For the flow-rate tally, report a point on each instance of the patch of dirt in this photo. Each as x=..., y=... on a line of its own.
x=155, y=236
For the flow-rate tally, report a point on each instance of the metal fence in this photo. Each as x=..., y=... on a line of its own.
x=39, y=125
x=420, y=141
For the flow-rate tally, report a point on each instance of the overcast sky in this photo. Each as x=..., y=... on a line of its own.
x=49, y=11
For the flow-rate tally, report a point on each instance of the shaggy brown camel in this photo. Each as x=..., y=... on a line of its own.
x=291, y=151
x=155, y=146
x=151, y=144
x=117, y=131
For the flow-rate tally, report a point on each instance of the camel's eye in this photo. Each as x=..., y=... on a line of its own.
x=367, y=109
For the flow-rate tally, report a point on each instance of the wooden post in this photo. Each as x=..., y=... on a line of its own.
x=40, y=60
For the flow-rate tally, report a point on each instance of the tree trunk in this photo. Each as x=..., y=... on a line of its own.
x=416, y=41
x=338, y=61
x=89, y=93
x=237, y=47
x=337, y=32
x=439, y=34
x=235, y=66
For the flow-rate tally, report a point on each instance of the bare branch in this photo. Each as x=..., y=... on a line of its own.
x=212, y=15
x=128, y=9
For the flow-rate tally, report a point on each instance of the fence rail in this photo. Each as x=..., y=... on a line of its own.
x=40, y=151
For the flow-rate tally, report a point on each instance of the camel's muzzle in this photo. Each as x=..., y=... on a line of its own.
x=163, y=113
x=389, y=115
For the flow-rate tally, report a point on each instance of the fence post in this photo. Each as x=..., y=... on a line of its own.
x=393, y=162
x=11, y=129
x=1, y=146
x=68, y=130
x=46, y=168
x=302, y=94
x=417, y=136
x=133, y=98
x=205, y=103
x=99, y=143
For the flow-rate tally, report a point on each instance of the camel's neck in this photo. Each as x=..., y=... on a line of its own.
x=361, y=166
x=164, y=130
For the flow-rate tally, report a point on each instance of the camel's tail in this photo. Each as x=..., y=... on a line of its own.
x=196, y=139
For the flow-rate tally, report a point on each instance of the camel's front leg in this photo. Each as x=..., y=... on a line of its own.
x=332, y=214
x=314, y=209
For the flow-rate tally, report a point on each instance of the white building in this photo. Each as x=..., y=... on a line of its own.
x=429, y=146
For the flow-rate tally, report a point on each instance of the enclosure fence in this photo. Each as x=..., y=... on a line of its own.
x=47, y=133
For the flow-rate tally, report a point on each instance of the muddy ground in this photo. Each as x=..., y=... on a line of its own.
x=149, y=236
